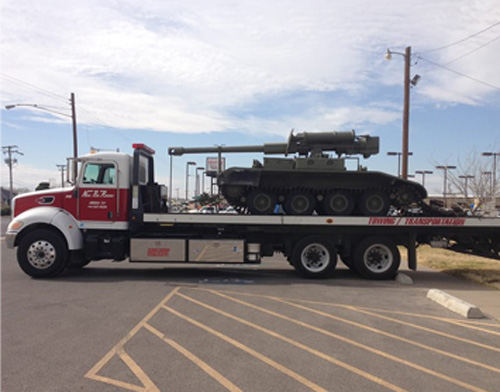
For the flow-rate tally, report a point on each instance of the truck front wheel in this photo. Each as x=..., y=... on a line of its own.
x=314, y=257
x=42, y=254
x=376, y=258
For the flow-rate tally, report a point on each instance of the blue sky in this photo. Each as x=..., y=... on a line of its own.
x=197, y=73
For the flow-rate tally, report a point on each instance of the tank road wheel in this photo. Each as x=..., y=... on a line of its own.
x=233, y=193
x=261, y=202
x=338, y=203
x=376, y=258
x=42, y=254
x=405, y=196
x=374, y=203
x=314, y=257
x=299, y=203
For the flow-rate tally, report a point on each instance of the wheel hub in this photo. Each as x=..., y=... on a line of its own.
x=41, y=254
x=315, y=258
x=378, y=258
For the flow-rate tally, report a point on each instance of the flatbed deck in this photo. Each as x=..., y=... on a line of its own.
x=287, y=220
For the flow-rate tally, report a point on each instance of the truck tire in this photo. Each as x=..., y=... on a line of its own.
x=376, y=258
x=314, y=257
x=42, y=254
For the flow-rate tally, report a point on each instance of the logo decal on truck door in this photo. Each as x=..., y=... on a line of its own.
x=97, y=194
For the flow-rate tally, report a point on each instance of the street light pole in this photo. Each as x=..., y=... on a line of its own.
x=62, y=168
x=73, y=119
x=198, y=193
x=187, y=178
x=445, y=168
x=494, y=175
x=423, y=173
x=466, y=178
x=399, y=154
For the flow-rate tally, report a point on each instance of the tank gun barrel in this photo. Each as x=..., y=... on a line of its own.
x=302, y=143
x=268, y=148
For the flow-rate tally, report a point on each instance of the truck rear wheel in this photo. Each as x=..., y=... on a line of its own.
x=376, y=258
x=314, y=257
x=42, y=254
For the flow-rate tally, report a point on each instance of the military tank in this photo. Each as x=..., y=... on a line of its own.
x=312, y=180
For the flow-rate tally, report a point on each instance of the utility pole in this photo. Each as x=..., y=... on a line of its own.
x=75, y=138
x=10, y=150
x=62, y=169
x=406, y=113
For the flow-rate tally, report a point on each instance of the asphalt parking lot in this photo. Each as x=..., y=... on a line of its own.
x=134, y=327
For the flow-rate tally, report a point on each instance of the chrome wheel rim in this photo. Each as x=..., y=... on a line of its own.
x=378, y=258
x=41, y=254
x=315, y=257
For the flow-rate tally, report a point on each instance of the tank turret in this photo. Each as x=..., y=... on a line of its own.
x=312, y=180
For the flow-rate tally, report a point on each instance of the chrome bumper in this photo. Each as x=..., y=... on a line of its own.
x=10, y=238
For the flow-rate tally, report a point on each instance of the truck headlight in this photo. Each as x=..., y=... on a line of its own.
x=15, y=225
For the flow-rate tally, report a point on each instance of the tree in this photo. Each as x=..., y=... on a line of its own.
x=478, y=185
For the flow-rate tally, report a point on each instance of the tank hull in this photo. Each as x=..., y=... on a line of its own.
x=239, y=185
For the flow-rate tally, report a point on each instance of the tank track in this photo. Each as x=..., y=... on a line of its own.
x=403, y=201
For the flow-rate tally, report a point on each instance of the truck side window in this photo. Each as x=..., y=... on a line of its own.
x=99, y=173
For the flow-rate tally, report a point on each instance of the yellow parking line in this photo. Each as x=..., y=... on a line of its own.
x=268, y=361
x=294, y=343
x=357, y=344
x=149, y=386
x=392, y=336
x=459, y=323
x=433, y=331
x=197, y=361
x=118, y=350
x=361, y=309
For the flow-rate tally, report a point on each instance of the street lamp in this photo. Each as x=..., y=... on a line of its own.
x=197, y=191
x=187, y=177
x=423, y=173
x=445, y=168
x=406, y=105
x=494, y=174
x=72, y=116
x=62, y=168
x=466, y=178
x=398, y=154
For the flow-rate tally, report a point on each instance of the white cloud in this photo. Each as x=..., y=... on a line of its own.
x=181, y=66
x=26, y=176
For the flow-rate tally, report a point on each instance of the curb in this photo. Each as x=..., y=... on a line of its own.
x=455, y=304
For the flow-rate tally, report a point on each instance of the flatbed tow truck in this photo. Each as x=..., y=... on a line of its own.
x=115, y=210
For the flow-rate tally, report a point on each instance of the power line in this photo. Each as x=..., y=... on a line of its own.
x=463, y=39
x=33, y=87
x=474, y=50
x=459, y=73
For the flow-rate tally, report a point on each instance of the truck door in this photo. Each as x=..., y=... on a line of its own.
x=98, y=192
